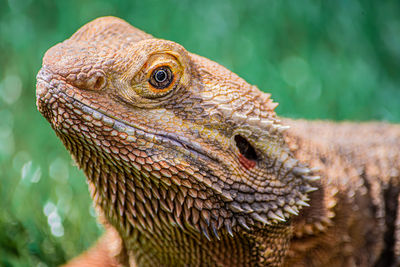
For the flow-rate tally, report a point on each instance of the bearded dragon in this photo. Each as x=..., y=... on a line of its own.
x=189, y=165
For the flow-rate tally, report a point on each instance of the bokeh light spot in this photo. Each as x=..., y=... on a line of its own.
x=295, y=71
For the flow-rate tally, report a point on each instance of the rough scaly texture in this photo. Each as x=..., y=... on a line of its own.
x=188, y=164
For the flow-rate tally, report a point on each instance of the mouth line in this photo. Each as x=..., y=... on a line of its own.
x=194, y=148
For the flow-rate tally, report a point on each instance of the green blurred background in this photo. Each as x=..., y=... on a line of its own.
x=337, y=60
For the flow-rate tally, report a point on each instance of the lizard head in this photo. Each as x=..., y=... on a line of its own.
x=163, y=134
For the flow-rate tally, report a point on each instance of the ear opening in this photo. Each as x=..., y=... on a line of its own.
x=245, y=148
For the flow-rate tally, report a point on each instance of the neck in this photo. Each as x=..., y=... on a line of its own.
x=145, y=215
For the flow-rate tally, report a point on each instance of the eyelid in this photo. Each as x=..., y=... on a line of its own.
x=141, y=82
x=153, y=67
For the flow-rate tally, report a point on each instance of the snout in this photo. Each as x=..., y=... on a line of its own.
x=43, y=81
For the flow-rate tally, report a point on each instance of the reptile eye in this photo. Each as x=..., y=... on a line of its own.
x=161, y=78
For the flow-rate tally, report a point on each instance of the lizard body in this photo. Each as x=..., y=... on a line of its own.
x=188, y=164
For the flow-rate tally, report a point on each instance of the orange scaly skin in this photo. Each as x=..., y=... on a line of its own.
x=188, y=164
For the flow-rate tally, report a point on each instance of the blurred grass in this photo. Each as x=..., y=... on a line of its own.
x=336, y=60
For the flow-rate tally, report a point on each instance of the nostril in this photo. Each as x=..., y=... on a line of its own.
x=95, y=81
x=100, y=83
x=245, y=148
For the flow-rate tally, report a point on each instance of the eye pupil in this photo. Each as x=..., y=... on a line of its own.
x=161, y=77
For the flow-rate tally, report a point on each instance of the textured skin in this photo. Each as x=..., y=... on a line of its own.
x=203, y=172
